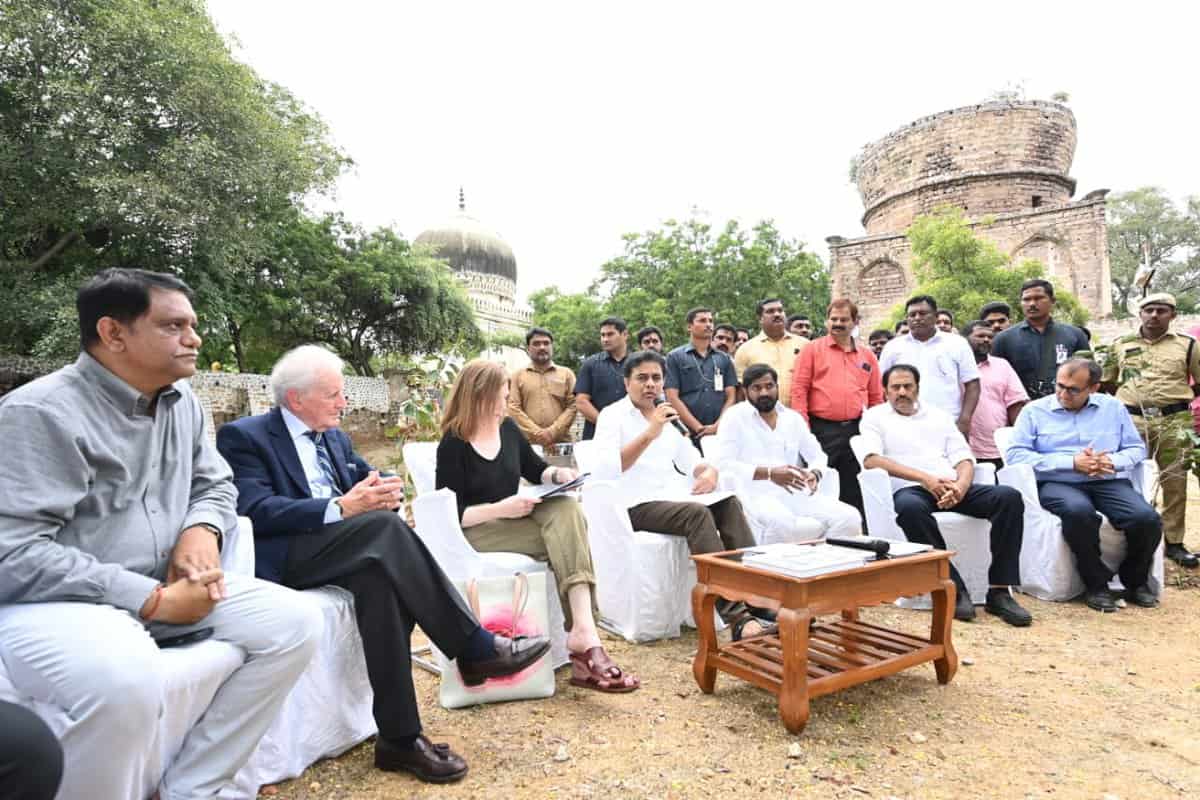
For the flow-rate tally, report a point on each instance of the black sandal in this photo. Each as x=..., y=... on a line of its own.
x=739, y=624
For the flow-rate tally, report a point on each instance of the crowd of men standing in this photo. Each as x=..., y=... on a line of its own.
x=981, y=374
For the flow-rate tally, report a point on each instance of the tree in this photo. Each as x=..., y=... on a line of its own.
x=363, y=294
x=130, y=135
x=574, y=320
x=663, y=273
x=1144, y=226
x=963, y=271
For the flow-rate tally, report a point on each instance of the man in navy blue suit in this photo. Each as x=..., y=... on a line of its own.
x=322, y=515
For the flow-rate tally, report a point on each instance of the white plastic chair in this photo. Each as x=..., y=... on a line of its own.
x=1048, y=570
x=644, y=579
x=830, y=486
x=435, y=513
x=968, y=537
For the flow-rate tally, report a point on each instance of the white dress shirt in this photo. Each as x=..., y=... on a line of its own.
x=665, y=468
x=945, y=361
x=928, y=440
x=747, y=442
x=306, y=449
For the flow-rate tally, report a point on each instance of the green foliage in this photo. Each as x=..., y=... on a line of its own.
x=1146, y=221
x=963, y=271
x=686, y=264
x=362, y=293
x=574, y=320
x=129, y=135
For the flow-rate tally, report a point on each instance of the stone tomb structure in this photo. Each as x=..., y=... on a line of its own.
x=1006, y=161
x=485, y=265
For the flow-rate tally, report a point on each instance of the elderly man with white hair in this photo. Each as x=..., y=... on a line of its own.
x=322, y=515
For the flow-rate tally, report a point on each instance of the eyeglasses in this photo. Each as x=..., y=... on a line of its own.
x=1071, y=391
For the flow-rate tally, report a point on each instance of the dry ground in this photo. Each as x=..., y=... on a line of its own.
x=1078, y=706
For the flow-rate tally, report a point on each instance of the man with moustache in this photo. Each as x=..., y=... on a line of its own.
x=1149, y=371
x=541, y=398
x=1001, y=395
x=945, y=320
x=660, y=472
x=931, y=468
x=725, y=338
x=700, y=382
x=777, y=465
x=833, y=382
x=650, y=338
x=878, y=340
x=775, y=346
x=800, y=325
x=1081, y=444
x=945, y=360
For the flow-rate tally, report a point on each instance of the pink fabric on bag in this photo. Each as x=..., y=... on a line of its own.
x=499, y=620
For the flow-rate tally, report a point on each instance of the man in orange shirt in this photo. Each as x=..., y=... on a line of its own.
x=833, y=381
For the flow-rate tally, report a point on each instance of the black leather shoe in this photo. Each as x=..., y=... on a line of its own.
x=1004, y=606
x=1180, y=555
x=1142, y=596
x=432, y=763
x=512, y=655
x=964, y=609
x=1100, y=600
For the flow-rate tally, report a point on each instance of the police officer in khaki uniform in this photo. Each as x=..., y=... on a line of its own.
x=1149, y=370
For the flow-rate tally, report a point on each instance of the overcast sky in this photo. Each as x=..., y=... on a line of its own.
x=569, y=124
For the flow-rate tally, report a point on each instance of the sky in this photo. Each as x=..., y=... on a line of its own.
x=570, y=124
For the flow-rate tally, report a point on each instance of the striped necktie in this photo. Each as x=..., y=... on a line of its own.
x=325, y=462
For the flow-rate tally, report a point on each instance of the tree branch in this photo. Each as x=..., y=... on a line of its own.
x=62, y=243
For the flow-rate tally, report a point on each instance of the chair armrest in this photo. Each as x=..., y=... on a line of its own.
x=237, y=551
x=831, y=484
x=436, y=517
x=878, y=504
x=1021, y=478
x=985, y=474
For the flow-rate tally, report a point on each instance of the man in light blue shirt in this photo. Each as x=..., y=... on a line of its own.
x=1079, y=443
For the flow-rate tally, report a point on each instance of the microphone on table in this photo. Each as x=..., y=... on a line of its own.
x=679, y=426
x=879, y=547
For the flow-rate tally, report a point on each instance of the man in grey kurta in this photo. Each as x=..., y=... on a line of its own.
x=113, y=504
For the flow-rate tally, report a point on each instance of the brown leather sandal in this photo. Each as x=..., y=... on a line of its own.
x=593, y=669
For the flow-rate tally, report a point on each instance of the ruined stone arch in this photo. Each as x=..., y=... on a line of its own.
x=1054, y=252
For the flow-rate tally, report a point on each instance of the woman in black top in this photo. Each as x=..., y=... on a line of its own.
x=481, y=458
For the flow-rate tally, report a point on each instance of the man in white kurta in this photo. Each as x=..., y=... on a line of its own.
x=776, y=465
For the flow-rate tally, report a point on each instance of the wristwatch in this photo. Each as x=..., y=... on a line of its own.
x=215, y=531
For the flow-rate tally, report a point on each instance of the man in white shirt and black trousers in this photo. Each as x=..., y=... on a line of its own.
x=931, y=468
x=658, y=470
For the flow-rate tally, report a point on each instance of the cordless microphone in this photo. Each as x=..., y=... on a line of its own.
x=679, y=426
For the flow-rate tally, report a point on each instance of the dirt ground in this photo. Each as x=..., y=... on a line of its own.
x=1081, y=705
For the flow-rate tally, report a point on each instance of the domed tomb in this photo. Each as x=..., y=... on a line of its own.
x=486, y=266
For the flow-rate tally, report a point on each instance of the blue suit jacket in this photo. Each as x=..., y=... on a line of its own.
x=272, y=488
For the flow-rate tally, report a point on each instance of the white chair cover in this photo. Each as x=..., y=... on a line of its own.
x=1048, y=569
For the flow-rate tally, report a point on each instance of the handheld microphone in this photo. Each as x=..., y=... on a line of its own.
x=879, y=547
x=679, y=426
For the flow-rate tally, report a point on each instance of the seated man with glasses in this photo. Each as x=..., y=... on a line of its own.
x=1080, y=443
x=669, y=488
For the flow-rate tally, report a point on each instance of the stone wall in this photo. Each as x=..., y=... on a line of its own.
x=229, y=396
x=988, y=158
x=876, y=272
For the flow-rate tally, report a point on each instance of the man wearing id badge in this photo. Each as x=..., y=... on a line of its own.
x=701, y=381
x=1037, y=347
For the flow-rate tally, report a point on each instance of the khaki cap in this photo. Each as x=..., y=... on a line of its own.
x=1161, y=298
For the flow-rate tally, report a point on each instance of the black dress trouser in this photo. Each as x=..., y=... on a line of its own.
x=1000, y=505
x=31, y=759
x=835, y=441
x=396, y=583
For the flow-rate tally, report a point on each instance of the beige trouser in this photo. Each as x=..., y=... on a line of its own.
x=1165, y=440
x=554, y=531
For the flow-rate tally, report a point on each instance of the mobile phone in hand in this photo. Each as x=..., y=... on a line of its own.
x=179, y=640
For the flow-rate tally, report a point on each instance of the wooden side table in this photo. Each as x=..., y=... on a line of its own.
x=802, y=662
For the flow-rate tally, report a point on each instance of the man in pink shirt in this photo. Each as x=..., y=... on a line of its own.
x=1001, y=394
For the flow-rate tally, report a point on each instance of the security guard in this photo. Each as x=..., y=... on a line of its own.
x=1149, y=370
